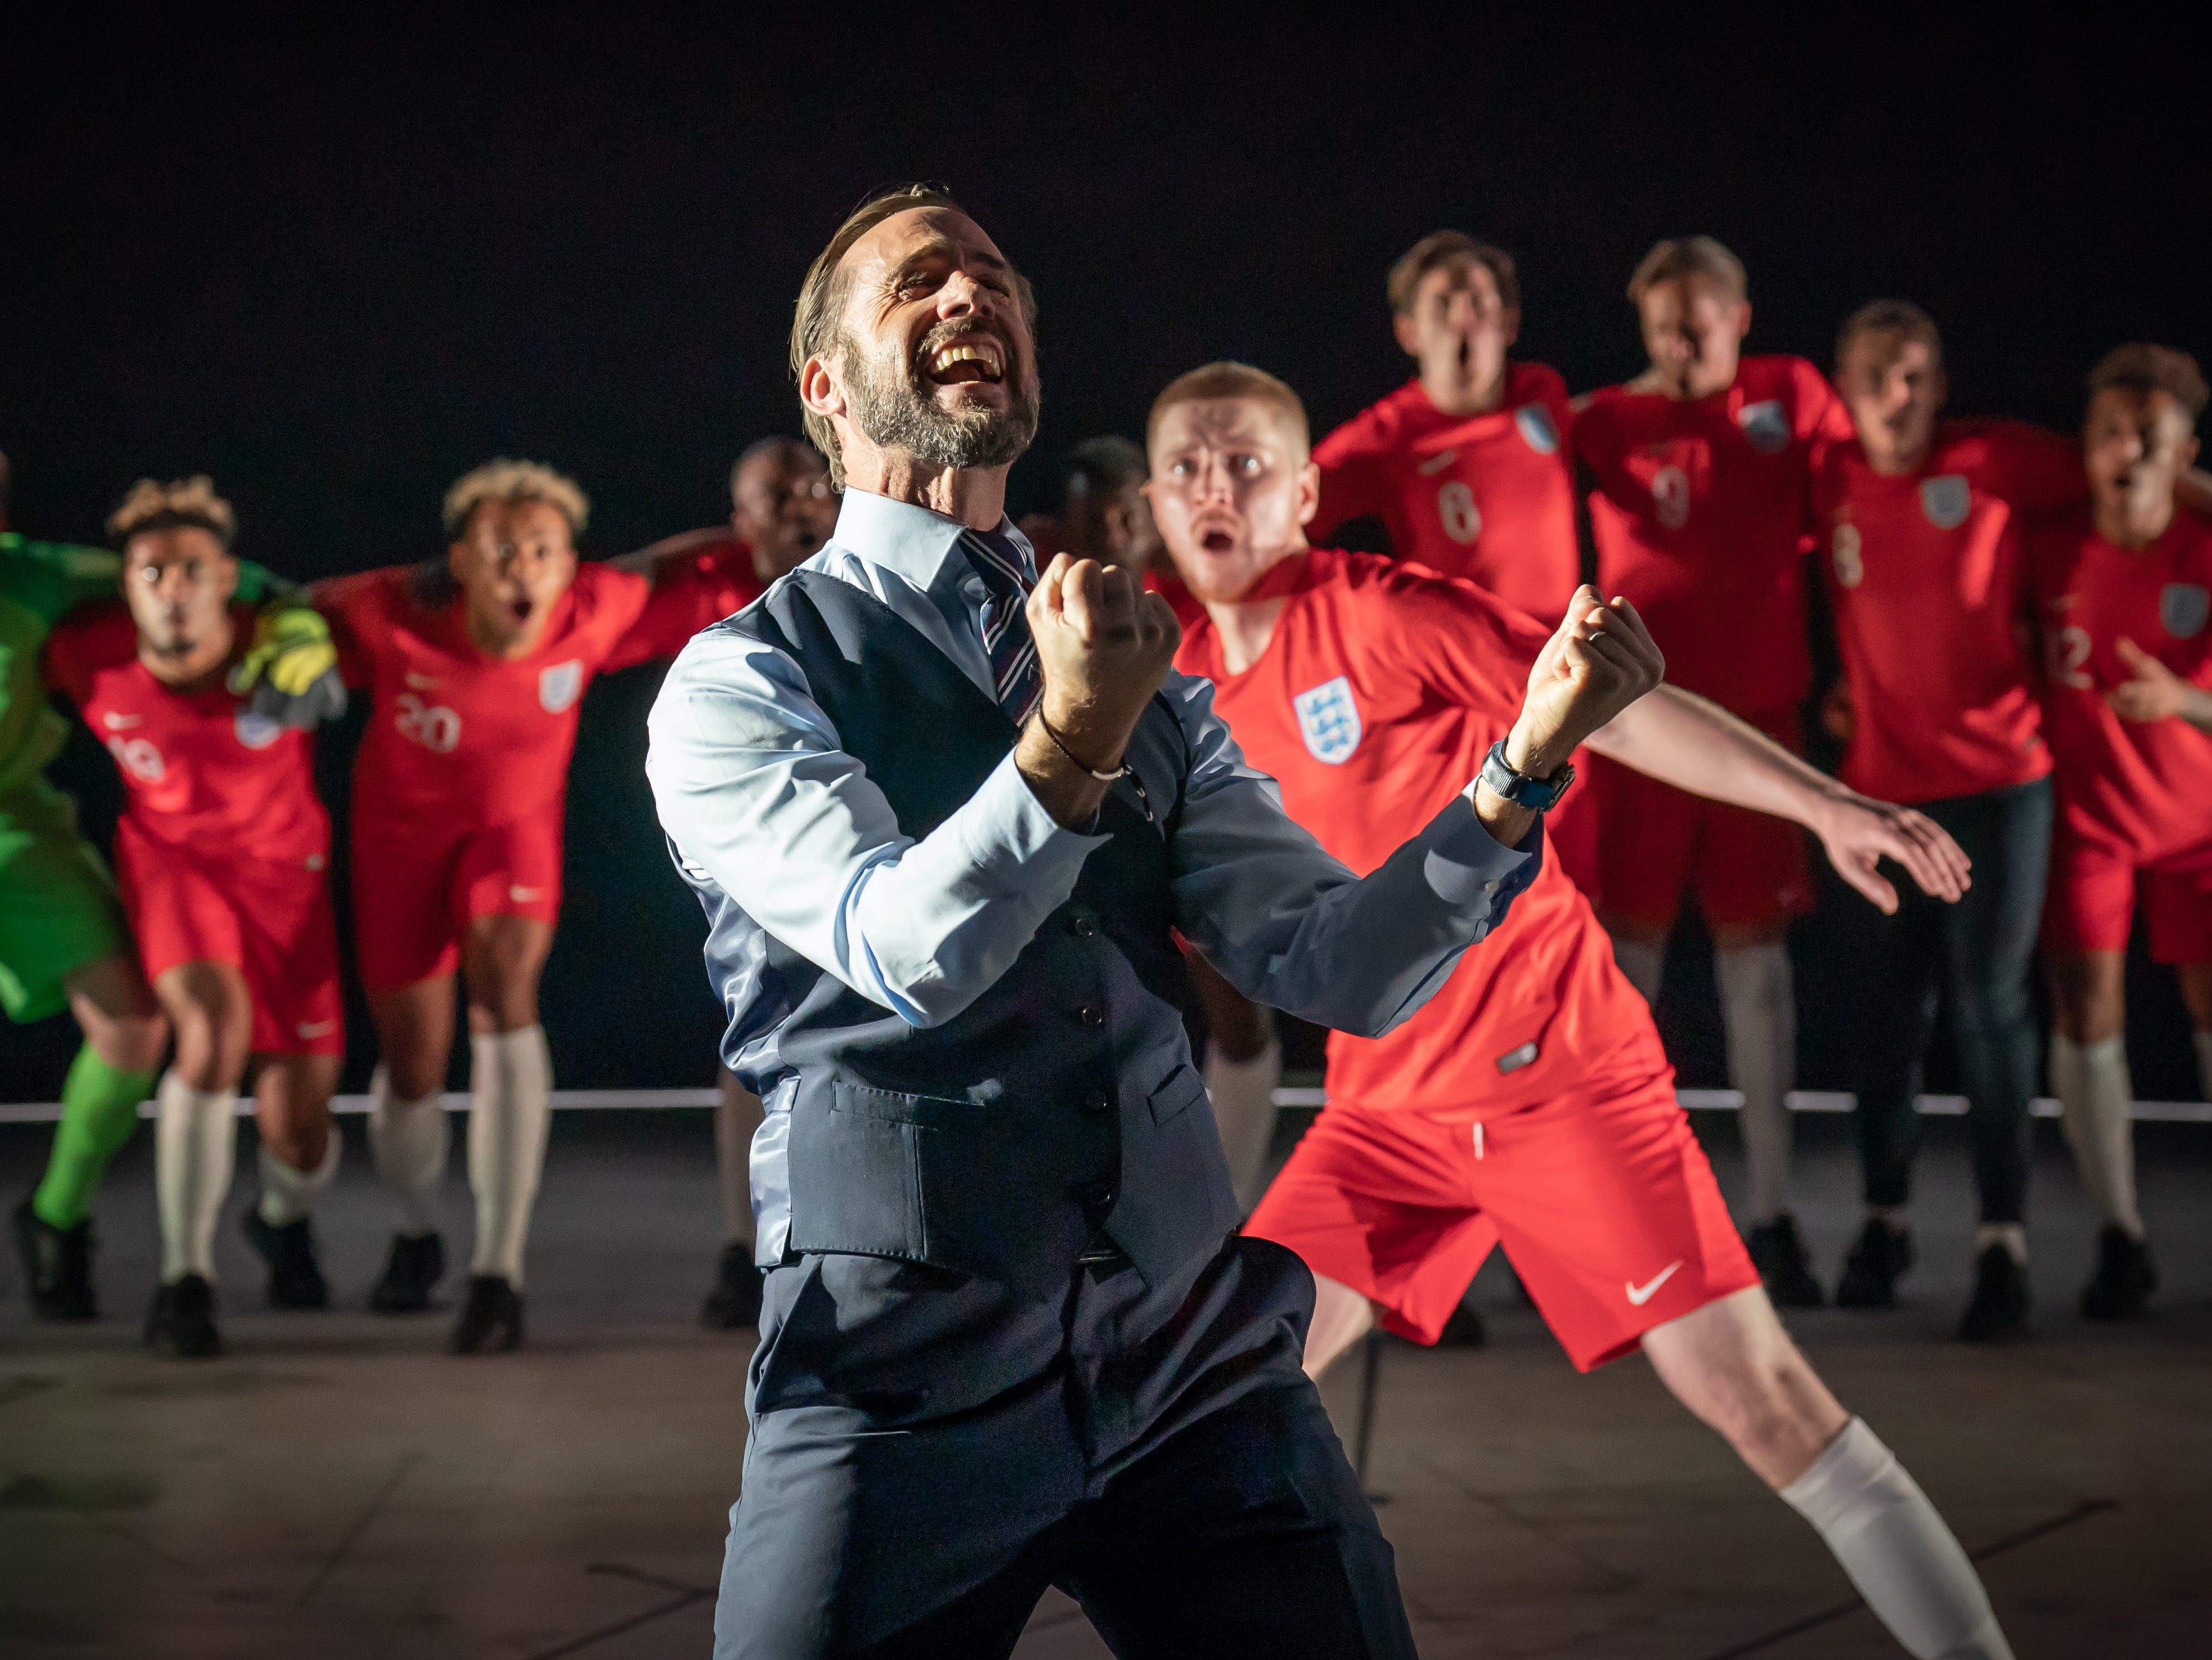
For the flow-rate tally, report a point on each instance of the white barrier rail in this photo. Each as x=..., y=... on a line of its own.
x=1931, y=1106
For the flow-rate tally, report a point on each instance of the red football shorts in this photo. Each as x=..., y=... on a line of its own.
x=1656, y=843
x=2091, y=902
x=415, y=885
x=1603, y=1200
x=272, y=922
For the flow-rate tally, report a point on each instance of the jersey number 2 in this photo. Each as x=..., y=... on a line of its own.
x=433, y=726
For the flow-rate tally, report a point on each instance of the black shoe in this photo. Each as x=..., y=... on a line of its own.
x=295, y=1279
x=736, y=1299
x=1876, y=1263
x=491, y=1323
x=2124, y=1279
x=411, y=1273
x=1999, y=1310
x=56, y=1266
x=1779, y=1256
x=1464, y=1330
x=182, y=1319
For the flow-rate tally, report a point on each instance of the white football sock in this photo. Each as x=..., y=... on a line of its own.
x=195, y=1147
x=510, y=1111
x=2012, y=1236
x=1645, y=965
x=1759, y=1017
x=737, y=1115
x=408, y=1140
x=1897, y=1550
x=2204, y=1062
x=2097, y=1098
x=288, y=1194
x=1243, y=1094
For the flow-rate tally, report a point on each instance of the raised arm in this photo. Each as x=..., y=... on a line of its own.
x=1696, y=745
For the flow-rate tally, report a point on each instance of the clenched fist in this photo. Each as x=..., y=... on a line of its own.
x=1105, y=645
x=1599, y=660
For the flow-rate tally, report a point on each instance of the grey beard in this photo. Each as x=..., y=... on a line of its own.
x=895, y=412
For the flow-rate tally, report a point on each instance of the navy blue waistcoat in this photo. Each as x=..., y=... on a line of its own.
x=1061, y=1102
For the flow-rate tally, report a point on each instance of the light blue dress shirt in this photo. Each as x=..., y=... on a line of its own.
x=768, y=814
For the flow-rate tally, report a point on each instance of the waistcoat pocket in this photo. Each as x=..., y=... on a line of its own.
x=1182, y=1087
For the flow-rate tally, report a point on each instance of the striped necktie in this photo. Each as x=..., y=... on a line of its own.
x=1006, y=642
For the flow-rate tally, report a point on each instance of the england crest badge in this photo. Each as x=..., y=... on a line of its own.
x=558, y=684
x=1328, y=720
x=1534, y=422
x=1765, y=425
x=1945, y=500
x=2184, y=607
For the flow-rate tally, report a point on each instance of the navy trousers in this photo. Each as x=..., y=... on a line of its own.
x=1980, y=951
x=1178, y=1478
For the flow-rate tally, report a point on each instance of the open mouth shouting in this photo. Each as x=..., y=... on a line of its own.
x=967, y=357
x=519, y=610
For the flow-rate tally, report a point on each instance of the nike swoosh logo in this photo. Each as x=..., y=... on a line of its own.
x=523, y=896
x=421, y=682
x=115, y=722
x=317, y=1028
x=1639, y=1295
x=1437, y=463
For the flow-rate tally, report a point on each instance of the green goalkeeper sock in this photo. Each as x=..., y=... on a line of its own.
x=99, y=1109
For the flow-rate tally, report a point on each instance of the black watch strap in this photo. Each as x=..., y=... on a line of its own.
x=1537, y=794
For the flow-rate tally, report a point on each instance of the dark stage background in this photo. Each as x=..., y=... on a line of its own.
x=336, y=264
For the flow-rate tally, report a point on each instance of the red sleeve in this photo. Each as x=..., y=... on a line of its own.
x=90, y=638
x=676, y=607
x=1453, y=637
x=61, y=660
x=1352, y=479
x=2037, y=470
x=357, y=608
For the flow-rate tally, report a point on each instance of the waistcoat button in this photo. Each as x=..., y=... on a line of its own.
x=1098, y=1195
x=1096, y=1101
x=1081, y=926
x=1091, y=1015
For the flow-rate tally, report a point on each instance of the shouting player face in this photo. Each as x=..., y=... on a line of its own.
x=934, y=356
x=1893, y=386
x=1459, y=331
x=1232, y=489
x=178, y=582
x=513, y=560
x=2135, y=444
x=782, y=508
x=1693, y=329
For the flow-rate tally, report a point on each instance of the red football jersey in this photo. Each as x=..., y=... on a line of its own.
x=709, y=581
x=1488, y=497
x=204, y=773
x=1931, y=607
x=1701, y=511
x=1379, y=694
x=468, y=738
x=2143, y=789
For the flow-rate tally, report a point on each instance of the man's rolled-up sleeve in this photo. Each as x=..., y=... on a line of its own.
x=1291, y=927
x=755, y=794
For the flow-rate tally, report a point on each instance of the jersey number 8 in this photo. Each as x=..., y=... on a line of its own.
x=1456, y=506
x=433, y=726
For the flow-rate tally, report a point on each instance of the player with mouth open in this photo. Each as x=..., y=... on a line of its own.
x=478, y=668
x=1530, y=1103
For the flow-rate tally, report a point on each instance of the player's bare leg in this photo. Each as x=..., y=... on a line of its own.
x=1759, y=1019
x=510, y=1113
x=408, y=1136
x=2096, y=1095
x=300, y=1151
x=1341, y=1317
x=196, y=1145
x=1243, y=1066
x=125, y=1035
x=736, y=1299
x=1731, y=1364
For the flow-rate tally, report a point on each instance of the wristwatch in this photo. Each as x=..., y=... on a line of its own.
x=1537, y=794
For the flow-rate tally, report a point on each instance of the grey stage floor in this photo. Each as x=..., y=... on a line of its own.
x=338, y=1488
